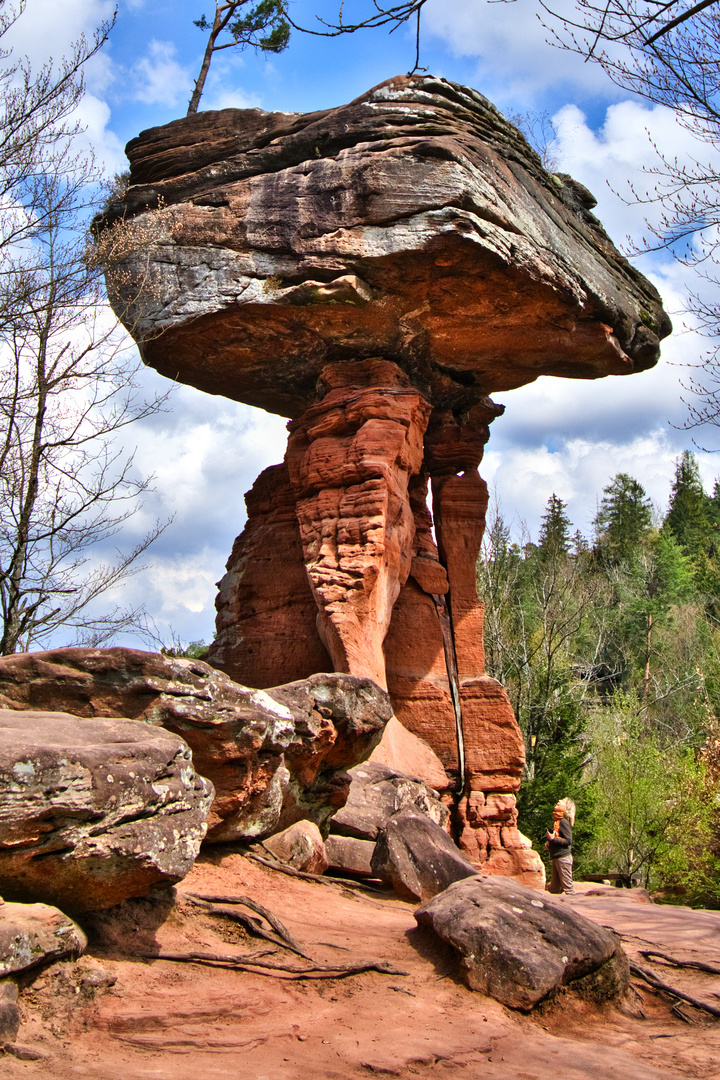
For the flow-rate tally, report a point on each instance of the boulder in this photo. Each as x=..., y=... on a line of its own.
x=300, y=846
x=351, y=855
x=94, y=811
x=417, y=857
x=376, y=793
x=33, y=934
x=519, y=948
x=273, y=757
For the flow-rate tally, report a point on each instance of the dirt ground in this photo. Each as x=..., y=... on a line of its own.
x=113, y=1013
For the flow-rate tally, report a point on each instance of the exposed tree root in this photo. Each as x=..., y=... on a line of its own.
x=281, y=935
x=713, y=969
x=331, y=882
x=280, y=971
x=659, y=984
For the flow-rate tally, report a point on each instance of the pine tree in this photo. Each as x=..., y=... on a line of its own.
x=554, y=536
x=688, y=518
x=624, y=520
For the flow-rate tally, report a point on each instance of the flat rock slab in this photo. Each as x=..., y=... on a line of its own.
x=417, y=857
x=348, y=853
x=518, y=946
x=94, y=811
x=33, y=934
x=683, y=931
x=413, y=223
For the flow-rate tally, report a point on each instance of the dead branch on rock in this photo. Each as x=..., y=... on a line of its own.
x=659, y=984
x=713, y=969
x=281, y=971
x=281, y=935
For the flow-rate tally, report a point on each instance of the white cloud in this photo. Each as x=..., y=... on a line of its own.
x=48, y=28
x=94, y=115
x=616, y=162
x=229, y=97
x=181, y=585
x=515, y=61
x=159, y=78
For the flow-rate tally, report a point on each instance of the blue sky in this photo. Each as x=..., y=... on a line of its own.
x=556, y=436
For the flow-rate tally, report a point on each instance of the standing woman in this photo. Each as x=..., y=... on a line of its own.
x=559, y=844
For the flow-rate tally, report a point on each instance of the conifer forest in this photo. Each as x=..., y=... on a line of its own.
x=609, y=647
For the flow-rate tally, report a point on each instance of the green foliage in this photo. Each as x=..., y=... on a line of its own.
x=555, y=528
x=653, y=815
x=193, y=650
x=264, y=26
x=555, y=769
x=611, y=659
x=688, y=518
x=623, y=520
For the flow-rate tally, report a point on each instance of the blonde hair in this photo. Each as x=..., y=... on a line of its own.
x=569, y=807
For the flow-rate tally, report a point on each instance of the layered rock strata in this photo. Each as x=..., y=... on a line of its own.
x=273, y=758
x=94, y=811
x=414, y=223
x=374, y=272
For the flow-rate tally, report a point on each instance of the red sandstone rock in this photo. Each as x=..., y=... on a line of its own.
x=93, y=811
x=417, y=857
x=348, y=853
x=267, y=615
x=402, y=751
x=413, y=223
x=273, y=757
x=300, y=846
x=350, y=458
x=520, y=949
x=376, y=794
x=374, y=272
x=33, y=934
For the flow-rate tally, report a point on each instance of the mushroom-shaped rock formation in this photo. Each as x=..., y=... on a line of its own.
x=374, y=272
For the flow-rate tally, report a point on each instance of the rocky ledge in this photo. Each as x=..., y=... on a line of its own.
x=414, y=223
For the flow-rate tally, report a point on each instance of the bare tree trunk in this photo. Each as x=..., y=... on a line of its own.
x=223, y=14
x=648, y=646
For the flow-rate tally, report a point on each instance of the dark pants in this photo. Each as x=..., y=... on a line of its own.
x=561, y=879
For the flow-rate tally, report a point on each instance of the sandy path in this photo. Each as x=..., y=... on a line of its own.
x=182, y=1022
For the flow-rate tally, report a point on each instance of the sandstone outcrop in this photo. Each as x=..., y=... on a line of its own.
x=376, y=793
x=414, y=223
x=32, y=934
x=374, y=272
x=401, y=751
x=519, y=949
x=94, y=811
x=273, y=757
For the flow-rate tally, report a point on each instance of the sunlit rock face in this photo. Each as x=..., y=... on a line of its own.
x=271, y=758
x=93, y=811
x=374, y=272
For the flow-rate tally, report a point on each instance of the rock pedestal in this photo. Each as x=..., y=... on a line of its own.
x=374, y=272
